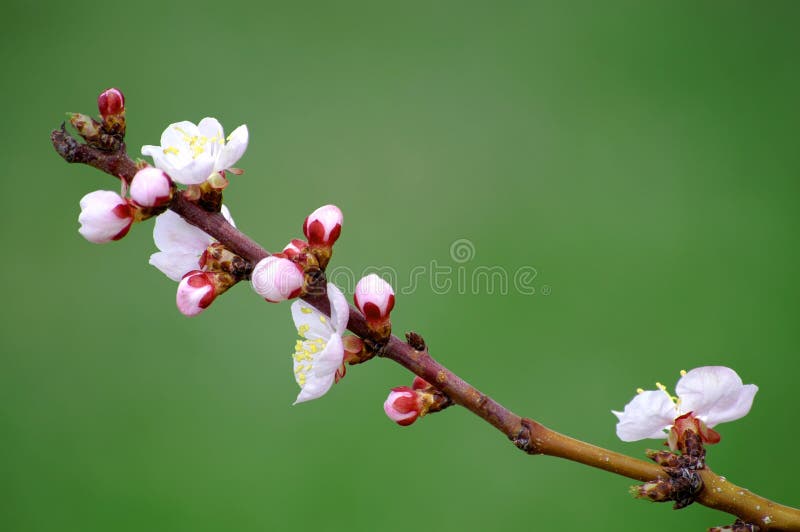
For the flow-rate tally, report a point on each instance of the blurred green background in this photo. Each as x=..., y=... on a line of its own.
x=642, y=157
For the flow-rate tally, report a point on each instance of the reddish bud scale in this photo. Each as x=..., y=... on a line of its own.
x=200, y=279
x=295, y=248
x=688, y=422
x=420, y=383
x=122, y=212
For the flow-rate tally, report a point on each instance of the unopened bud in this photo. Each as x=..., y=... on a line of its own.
x=295, y=247
x=323, y=226
x=403, y=406
x=277, y=279
x=374, y=297
x=151, y=187
x=196, y=292
x=656, y=491
x=86, y=126
x=105, y=216
x=111, y=102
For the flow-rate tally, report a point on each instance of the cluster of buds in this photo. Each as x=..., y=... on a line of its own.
x=287, y=275
x=107, y=216
x=108, y=133
x=190, y=155
x=405, y=405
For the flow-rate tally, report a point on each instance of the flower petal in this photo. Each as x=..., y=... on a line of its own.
x=234, y=148
x=329, y=359
x=715, y=394
x=646, y=416
x=215, y=136
x=195, y=172
x=310, y=322
x=340, y=310
x=175, y=264
x=178, y=134
x=318, y=374
x=173, y=234
x=314, y=388
x=226, y=213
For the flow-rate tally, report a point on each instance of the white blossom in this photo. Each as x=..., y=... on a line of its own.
x=180, y=244
x=191, y=153
x=714, y=394
x=320, y=352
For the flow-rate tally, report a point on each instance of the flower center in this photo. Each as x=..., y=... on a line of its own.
x=304, y=353
x=197, y=143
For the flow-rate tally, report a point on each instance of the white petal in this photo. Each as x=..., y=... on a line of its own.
x=340, y=310
x=227, y=214
x=212, y=130
x=315, y=387
x=715, y=394
x=173, y=234
x=234, y=148
x=177, y=134
x=329, y=359
x=318, y=324
x=646, y=416
x=175, y=264
x=151, y=150
x=195, y=172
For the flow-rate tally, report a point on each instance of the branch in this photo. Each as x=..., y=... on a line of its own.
x=527, y=434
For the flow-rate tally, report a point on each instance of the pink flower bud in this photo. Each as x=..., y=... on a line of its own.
x=402, y=406
x=323, y=226
x=151, y=187
x=295, y=247
x=105, y=216
x=374, y=297
x=111, y=102
x=277, y=279
x=195, y=292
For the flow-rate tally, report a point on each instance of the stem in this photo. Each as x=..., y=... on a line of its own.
x=528, y=435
